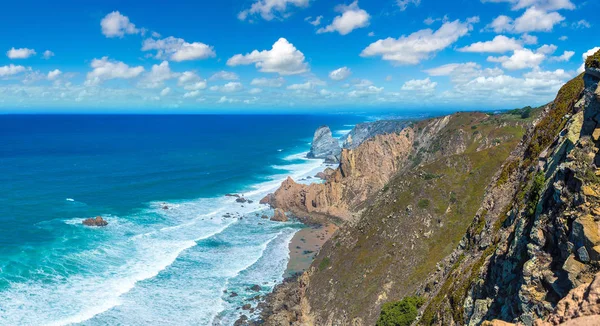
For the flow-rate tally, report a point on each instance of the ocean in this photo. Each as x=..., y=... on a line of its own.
x=149, y=266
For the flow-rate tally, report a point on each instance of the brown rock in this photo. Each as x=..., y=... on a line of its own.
x=266, y=200
x=589, y=191
x=585, y=232
x=279, y=216
x=496, y=322
x=246, y=306
x=580, y=307
x=596, y=134
x=98, y=221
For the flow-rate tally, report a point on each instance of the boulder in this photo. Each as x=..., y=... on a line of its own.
x=256, y=288
x=585, y=233
x=279, y=216
x=266, y=200
x=241, y=200
x=324, y=146
x=98, y=221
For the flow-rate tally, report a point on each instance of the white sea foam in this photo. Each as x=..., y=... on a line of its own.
x=70, y=199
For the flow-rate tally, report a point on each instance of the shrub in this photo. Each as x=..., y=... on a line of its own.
x=400, y=313
x=324, y=263
x=423, y=203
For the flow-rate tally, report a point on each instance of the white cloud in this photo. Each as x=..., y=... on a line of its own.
x=563, y=38
x=340, y=74
x=499, y=44
x=463, y=72
x=22, y=53
x=177, y=49
x=419, y=45
x=529, y=39
x=225, y=99
x=271, y=9
x=156, y=77
x=191, y=81
x=301, y=87
x=47, y=54
x=117, y=25
x=283, y=58
x=191, y=94
x=268, y=82
x=584, y=57
x=315, y=22
x=403, y=4
x=54, y=74
x=429, y=21
x=165, y=91
x=11, y=70
x=105, y=69
x=520, y=59
x=547, y=49
x=581, y=24
x=255, y=91
x=224, y=75
x=419, y=85
x=364, y=92
x=228, y=88
x=351, y=18
x=542, y=4
x=532, y=20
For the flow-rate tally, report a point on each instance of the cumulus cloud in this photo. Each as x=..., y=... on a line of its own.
x=366, y=91
x=117, y=25
x=403, y=4
x=156, y=77
x=532, y=20
x=255, y=90
x=10, y=70
x=419, y=85
x=47, y=54
x=52, y=75
x=351, y=18
x=419, y=45
x=224, y=75
x=463, y=72
x=521, y=59
x=499, y=44
x=547, y=49
x=271, y=9
x=230, y=87
x=105, y=69
x=177, y=49
x=22, y=53
x=340, y=74
x=542, y=4
x=190, y=81
x=268, y=82
x=581, y=24
x=301, y=87
x=283, y=58
x=191, y=94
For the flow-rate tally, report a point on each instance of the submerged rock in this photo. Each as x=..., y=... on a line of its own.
x=325, y=146
x=98, y=221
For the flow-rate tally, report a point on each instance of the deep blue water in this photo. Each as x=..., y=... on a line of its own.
x=150, y=265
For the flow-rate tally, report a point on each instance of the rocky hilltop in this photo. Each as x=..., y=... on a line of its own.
x=324, y=146
x=480, y=219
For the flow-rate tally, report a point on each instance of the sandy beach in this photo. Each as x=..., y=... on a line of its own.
x=305, y=244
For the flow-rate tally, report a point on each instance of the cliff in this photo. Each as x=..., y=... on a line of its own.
x=324, y=146
x=364, y=131
x=489, y=219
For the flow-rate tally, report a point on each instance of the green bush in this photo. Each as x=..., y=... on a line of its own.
x=423, y=203
x=324, y=263
x=400, y=313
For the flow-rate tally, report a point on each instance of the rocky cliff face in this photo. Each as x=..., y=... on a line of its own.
x=364, y=131
x=324, y=146
x=361, y=172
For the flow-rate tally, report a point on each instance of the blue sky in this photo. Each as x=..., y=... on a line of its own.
x=289, y=55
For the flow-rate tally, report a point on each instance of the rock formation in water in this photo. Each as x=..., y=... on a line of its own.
x=364, y=131
x=324, y=146
x=98, y=221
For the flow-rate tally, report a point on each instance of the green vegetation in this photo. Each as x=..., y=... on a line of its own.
x=424, y=203
x=524, y=113
x=547, y=129
x=507, y=170
x=430, y=176
x=534, y=195
x=324, y=263
x=593, y=61
x=400, y=313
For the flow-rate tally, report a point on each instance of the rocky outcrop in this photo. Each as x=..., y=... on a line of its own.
x=279, y=216
x=324, y=146
x=364, y=131
x=325, y=174
x=361, y=172
x=98, y=222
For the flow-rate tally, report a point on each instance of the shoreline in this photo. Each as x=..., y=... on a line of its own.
x=305, y=245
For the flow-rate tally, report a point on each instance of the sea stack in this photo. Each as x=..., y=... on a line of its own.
x=98, y=221
x=324, y=146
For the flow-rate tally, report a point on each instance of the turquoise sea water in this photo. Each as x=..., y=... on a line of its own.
x=149, y=265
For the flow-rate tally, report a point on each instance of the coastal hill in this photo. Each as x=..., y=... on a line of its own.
x=476, y=218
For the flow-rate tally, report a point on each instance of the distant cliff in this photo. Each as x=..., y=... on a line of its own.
x=324, y=146
x=364, y=131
